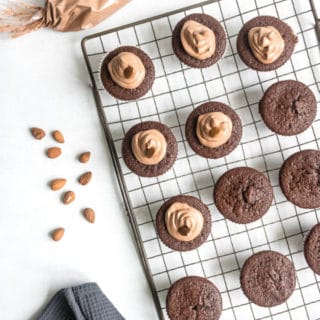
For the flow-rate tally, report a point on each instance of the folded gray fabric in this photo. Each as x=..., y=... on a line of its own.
x=85, y=302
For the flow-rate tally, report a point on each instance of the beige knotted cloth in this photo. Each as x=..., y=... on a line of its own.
x=19, y=18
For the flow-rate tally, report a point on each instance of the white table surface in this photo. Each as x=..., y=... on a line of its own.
x=44, y=82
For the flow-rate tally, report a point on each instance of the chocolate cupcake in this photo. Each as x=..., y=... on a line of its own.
x=268, y=278
x=213, y=130
x=299, y=179
x=312, y=249
x=127, y=73
x=193, y=298
x=265, y=43
x=243, y=195
x=199, y=40
x=183, y=223
x=149, y=149
x=288, y=107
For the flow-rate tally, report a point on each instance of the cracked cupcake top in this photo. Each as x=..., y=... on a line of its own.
x=243, y=195
x=268, y=278
x=300, y=179
x=194, y=298
x=288, y=107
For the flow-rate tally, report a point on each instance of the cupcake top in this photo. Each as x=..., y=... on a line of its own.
x=268, y=278
x=265, y=43
x=243, y=194
x=127, y=73
x=213, y=130
x=127, y=70
x=312, y=249
x=149, y=146
x=183, y=223
x=288, y=107
x=198, y=40
x=194, y=297
x=299, y=179
x=149, y=149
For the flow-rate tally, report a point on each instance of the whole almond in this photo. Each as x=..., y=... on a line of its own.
x=38, y=133
x=85, y=178
x=84, y=157
x=53, y=152
x=57, y=234
x=89, y=214
x=68, y=197
x=58, y=136
x=57, y=184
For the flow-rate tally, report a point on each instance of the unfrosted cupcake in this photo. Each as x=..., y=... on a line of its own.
x=193, y=298
x=268, y=278
x=243, y=195
x=312, y=249
x=299, y=179
x=127, y=73
x=288, y=107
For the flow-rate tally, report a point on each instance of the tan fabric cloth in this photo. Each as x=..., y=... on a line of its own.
x=19, y=18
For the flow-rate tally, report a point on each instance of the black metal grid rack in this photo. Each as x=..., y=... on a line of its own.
x=176, y=92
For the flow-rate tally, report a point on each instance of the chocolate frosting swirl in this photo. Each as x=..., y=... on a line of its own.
x=149, y=146
x=183, y=222
x=213, y=129
x=127, y=70
x=266, y=43
x=198, y=40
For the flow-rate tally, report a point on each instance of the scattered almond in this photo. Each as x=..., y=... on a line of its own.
x=85, y=178
x=84, y=157
x=57, y=234
x=58, y=136
x=89, y=214
x=57, y=184
x=68, y=197
x=38, y=133
x=53, y=152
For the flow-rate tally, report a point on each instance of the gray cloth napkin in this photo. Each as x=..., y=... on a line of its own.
x=85, y=302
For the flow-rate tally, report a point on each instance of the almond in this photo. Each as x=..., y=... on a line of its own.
x=38, y=133
x=68, y=197
x=57, y=234
x=57, y=184
x=53, y=152
x=84, y=157
x=85, y=178
x=58, y=136
x=89, y=214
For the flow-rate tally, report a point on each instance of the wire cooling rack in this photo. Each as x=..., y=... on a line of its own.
x=177, y=90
